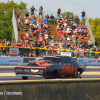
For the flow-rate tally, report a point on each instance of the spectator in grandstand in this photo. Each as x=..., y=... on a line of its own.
x=32, y=10
x=55, y=51
x=52, y=19
x=90, y=53
x=64, y=44
x=19, y=21
x=58, y=13
x=59, y=19
x=77, y=20
x=36, y=41
x=32, y=29
x=27, y=21
x=74, y=26
x=31, y=22
x=83, y=15
x=84, y=44
x=45, y=20
x=26, y=28
x=86, y=32
x=59, y=31
x=1, y=47
x=40, y=11
x=18, y=15
x=65, y=24
x=65, y=19
x=69, y=41
x=58, y=50
x=80, y=36
x=26, y=16
x=25, y=39
x=33, y=17
x=69, y=30
x=80, y=29
x=74, y=40
x=81, y=52
x=79, y=43
x=45, y=26
x=98, y=50
x=71, y=20
x=47, y=17
x=58, y=26
x=90, y=43
x=27, y=34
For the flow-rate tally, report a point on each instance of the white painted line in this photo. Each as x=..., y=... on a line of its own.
x=91, y=73
x=7, y=74
x=7, y=66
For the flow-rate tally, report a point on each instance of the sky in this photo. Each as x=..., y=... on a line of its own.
x=91, y=7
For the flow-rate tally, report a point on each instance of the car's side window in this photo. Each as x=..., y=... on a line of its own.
x=67, y=60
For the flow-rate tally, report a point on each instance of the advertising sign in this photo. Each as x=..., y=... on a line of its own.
x=13, y=50
x=15, y=60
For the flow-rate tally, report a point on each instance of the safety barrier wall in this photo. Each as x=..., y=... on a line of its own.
x=59, y=89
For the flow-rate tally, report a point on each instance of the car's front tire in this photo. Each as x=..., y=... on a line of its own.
x=24, y=77
x=75, y=74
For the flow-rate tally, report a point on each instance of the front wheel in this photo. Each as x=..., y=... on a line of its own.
x=24, y=77
x=54, y=75
x=75, y=74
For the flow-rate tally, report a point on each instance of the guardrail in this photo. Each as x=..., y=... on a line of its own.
x=90, y=30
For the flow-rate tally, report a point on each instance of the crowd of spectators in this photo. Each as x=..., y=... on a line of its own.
x=72, y=34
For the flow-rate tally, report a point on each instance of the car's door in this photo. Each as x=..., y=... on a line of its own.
x=67, y=66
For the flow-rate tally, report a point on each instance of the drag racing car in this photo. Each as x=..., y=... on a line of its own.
x=50, y=67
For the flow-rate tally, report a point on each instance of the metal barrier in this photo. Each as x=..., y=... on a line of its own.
x=90, y=30
x=15, y=31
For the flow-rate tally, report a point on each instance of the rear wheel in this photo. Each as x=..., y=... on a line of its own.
x=75, y=74
x=24, y=77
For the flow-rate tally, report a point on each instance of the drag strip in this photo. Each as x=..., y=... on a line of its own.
x=7, y=73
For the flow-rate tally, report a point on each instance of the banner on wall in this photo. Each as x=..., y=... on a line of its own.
x=13, y=50
x=15, y=60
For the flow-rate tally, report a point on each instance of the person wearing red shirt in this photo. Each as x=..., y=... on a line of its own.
x=55, y=51
x=60, y=31
x=24, y=38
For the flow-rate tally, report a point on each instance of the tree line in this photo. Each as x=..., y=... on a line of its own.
x=95, y=25
x=6, y=12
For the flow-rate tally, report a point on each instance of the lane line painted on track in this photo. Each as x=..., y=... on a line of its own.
x=7, y=74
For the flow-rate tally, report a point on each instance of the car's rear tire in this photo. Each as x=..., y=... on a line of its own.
x=75, y=74
x=24, y=77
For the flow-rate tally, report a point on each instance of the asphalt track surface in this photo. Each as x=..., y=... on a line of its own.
x=7, y=73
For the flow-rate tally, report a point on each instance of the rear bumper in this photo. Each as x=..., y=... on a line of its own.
x=29, y=75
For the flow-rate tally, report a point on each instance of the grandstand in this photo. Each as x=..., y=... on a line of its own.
x=44, y=32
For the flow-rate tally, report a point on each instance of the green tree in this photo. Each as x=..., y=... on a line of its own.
x=95, y=25
x=6, y=12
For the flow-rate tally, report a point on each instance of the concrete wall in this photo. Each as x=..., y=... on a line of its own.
x=59, y=89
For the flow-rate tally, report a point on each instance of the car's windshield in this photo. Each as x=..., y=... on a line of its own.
x=53, y=59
